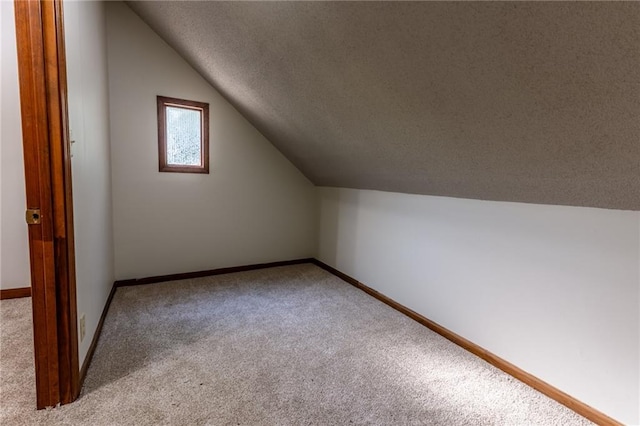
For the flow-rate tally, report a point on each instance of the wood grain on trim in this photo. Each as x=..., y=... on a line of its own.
x=33, y=104
x=43, y=105
x=96, y=337
x=536, y=383
x=15, y=293
x=210, y=272
x=60, y=150
x=163, y=102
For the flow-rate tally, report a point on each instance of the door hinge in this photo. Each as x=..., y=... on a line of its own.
x=33, y=216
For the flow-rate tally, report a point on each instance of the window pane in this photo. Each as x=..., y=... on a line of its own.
x=183, y=136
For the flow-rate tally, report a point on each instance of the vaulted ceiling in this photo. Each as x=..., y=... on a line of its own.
x=525, y=101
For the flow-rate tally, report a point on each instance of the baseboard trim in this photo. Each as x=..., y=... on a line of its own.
x=15, y=293
x=208, y=273
x=536, y=383
x=94, y=341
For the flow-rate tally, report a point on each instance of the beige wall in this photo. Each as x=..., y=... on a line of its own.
x=86, y=44
x=253, y=207
x=552, y=289
x=14, y=243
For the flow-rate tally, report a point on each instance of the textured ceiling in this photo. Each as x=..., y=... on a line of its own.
x=525, y=101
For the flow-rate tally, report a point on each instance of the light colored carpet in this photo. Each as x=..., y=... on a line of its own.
x=282, y=346
x=17, y=367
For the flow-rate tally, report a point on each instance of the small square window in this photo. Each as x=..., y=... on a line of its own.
x=183, y=135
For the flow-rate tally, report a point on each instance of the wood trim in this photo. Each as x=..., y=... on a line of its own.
x=15, y=293
x=60, y=150
x=210, y=272
x=33, y=104
x=162, y=103
x=94, y=341
x=536, y=383
x=42, y=75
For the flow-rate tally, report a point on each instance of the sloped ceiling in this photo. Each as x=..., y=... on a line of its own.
x=525, y=101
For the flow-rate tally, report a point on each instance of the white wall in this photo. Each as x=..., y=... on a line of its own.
x=253, y=207
x=86, y=48
x=554, y=290
x=14, y=241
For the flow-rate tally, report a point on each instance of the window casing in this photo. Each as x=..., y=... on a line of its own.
x=183, y=136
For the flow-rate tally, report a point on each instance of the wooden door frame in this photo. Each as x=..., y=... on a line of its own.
x=47, y=159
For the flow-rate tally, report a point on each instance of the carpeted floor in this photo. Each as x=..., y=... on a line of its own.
x=17, y=369
x=282, y=346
